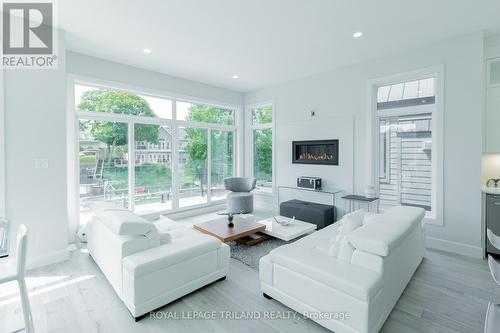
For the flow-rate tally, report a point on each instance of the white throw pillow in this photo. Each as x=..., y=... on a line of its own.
x=346, y=250
x=369, y=218
x=334, y=249
x=165, y=238
x=125, y=223
x=350, y=222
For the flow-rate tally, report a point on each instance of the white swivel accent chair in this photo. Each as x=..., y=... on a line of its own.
x=13, y=269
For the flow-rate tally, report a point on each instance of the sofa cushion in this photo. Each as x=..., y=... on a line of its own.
x=125, y=223
x=414, y=215
x=164, y=224
x=386, y=231
x=320, y=241
x=346, y=250
x=352, y=280
x=349, y=222
x=179, y=250
x=100, y=206
x=369, y=217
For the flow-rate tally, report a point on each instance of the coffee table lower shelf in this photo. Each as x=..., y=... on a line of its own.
x=254, y=239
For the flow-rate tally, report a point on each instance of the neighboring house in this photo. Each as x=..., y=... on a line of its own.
x=160, y=152
x=145, y=152
x=405, y=161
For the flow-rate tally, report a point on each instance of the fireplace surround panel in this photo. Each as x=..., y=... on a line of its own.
x=316, y=152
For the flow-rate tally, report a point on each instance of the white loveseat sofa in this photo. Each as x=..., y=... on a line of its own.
x=356, y=289
x=150, y=264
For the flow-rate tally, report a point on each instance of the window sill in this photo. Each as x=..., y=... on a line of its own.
x=264, y=193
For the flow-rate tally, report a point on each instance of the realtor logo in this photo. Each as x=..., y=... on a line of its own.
x=28, y=35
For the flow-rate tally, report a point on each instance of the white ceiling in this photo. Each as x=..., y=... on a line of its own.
x=264, y=42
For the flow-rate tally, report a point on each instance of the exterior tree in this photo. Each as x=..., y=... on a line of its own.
x=115, y=133
x=263, y=144
x=263, y=154
x=263, y=115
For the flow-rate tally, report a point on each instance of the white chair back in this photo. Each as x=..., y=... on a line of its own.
x=22, y=246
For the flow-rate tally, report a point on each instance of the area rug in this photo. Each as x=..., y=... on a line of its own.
x=250, y=255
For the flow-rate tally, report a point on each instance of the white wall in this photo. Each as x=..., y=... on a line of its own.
x=85, y=65
x=35, y=127
x=344, y=92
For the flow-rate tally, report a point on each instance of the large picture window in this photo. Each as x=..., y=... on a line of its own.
x=405, y=134
x=151, y=153
x=262, y=146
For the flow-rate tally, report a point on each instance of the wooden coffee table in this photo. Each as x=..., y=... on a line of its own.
x=244, y=230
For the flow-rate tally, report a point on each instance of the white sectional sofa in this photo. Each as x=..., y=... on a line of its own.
x=348, y=276
x=150, y=264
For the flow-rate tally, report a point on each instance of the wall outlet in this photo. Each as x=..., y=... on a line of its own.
x=41, y=163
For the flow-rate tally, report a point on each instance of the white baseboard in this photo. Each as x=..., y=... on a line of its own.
x=454, y=247
x=48, y=259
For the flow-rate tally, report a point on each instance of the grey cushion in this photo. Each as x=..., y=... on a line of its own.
x=319, y=214
x=239, y=184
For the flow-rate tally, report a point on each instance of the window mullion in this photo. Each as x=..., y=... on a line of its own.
x=131, y=166
x=175, y=160
x=235, y=160
x=209, y=165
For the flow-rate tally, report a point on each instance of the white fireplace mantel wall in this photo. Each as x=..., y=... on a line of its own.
x=342, y=93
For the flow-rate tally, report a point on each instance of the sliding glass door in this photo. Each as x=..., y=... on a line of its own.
x=193, y=166
x=103, y=163
x=153, y=168
x=221, y=162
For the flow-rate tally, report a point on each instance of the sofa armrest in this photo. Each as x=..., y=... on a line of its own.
x=340, y=275
x=223, y=256
x=266, y=270
x=179, y=250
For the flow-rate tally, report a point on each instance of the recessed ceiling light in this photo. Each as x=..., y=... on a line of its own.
x=357, y=34
x=236, y=77
x=146, y=51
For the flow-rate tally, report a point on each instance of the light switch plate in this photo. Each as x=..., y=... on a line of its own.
x=41, y=163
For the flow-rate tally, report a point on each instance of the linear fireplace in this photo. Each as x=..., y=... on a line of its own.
x=316, y=152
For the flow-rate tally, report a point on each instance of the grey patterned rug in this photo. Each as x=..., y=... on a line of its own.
x=250, y=255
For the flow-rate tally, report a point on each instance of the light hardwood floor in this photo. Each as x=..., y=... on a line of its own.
x=448, y=293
